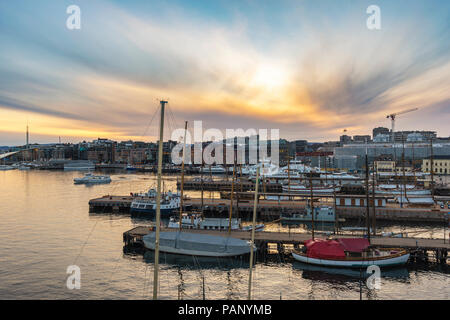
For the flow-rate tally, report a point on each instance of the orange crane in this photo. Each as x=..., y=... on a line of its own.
x=393, y=116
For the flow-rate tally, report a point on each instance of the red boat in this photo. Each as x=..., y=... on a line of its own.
x=350, y=253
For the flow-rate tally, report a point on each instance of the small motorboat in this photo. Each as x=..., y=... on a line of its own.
x=349, y=253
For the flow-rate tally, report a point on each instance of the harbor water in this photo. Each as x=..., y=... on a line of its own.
x=45, y=226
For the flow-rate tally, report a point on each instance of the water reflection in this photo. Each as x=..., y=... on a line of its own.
x=197, y=263
x=338, y=275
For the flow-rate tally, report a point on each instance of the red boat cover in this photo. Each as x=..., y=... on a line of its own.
x=334, y=249
x=324, y=249
x=354, y=244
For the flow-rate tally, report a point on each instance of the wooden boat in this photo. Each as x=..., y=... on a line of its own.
x=349, y=253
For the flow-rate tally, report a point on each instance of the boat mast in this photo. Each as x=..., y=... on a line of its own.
x=432, y=168
x=289, y=177
x=231, y=196
x=158, y=202
x=252, y=242
x=367, y=198
x=182, y=172
x=336, y=219
x=374, y=210
x=311, y=204
x=403, y=168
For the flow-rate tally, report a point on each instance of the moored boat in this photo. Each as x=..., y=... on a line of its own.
x=5, y=167
x=195, y=244
x=90, y=178
x=146, y=203
x=349, y=253
x=196, y=221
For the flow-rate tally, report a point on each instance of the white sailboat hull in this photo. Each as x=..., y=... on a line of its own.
x=385, y=262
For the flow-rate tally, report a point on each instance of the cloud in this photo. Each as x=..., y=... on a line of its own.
x=309, y=71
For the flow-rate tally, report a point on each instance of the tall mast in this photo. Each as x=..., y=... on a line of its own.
x=289, y=176
x=252, y=242
x=182, y=172
x=158, y=202
x=201, y=184
x=367, y=198
x=432, y=167
x=231, y=197
x=403, y=168
x=374, y=210
x=336, y=219
x=413, y=165
x=311, y=205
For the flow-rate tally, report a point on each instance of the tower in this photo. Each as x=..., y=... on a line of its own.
x=27, y=136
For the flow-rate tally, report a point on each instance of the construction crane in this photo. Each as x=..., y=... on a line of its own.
x=393, y=116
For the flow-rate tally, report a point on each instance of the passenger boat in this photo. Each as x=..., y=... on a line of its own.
x=196, y=221
x=146, y=203
x=90, y=178
x=349, y=253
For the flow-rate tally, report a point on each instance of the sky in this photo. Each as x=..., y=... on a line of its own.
x=310, y=68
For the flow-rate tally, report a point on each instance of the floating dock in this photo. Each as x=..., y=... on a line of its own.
x=269, y=210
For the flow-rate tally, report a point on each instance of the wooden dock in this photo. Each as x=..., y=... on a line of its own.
x=111, y=204
x=419, y=247
x=269, y=210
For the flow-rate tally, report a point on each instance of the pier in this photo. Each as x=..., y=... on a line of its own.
x=421, y=249
x=269, y=210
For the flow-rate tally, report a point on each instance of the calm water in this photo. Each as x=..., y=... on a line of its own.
x=45, y=226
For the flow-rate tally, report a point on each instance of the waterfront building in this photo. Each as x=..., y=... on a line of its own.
x=441, y=164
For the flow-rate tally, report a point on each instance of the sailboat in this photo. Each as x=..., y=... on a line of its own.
x=186, y=243
x=349, y=252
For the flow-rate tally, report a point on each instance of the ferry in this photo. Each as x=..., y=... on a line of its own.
x=349, y=253
x=196, y=221
x=146, y=203
x=90, y=178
